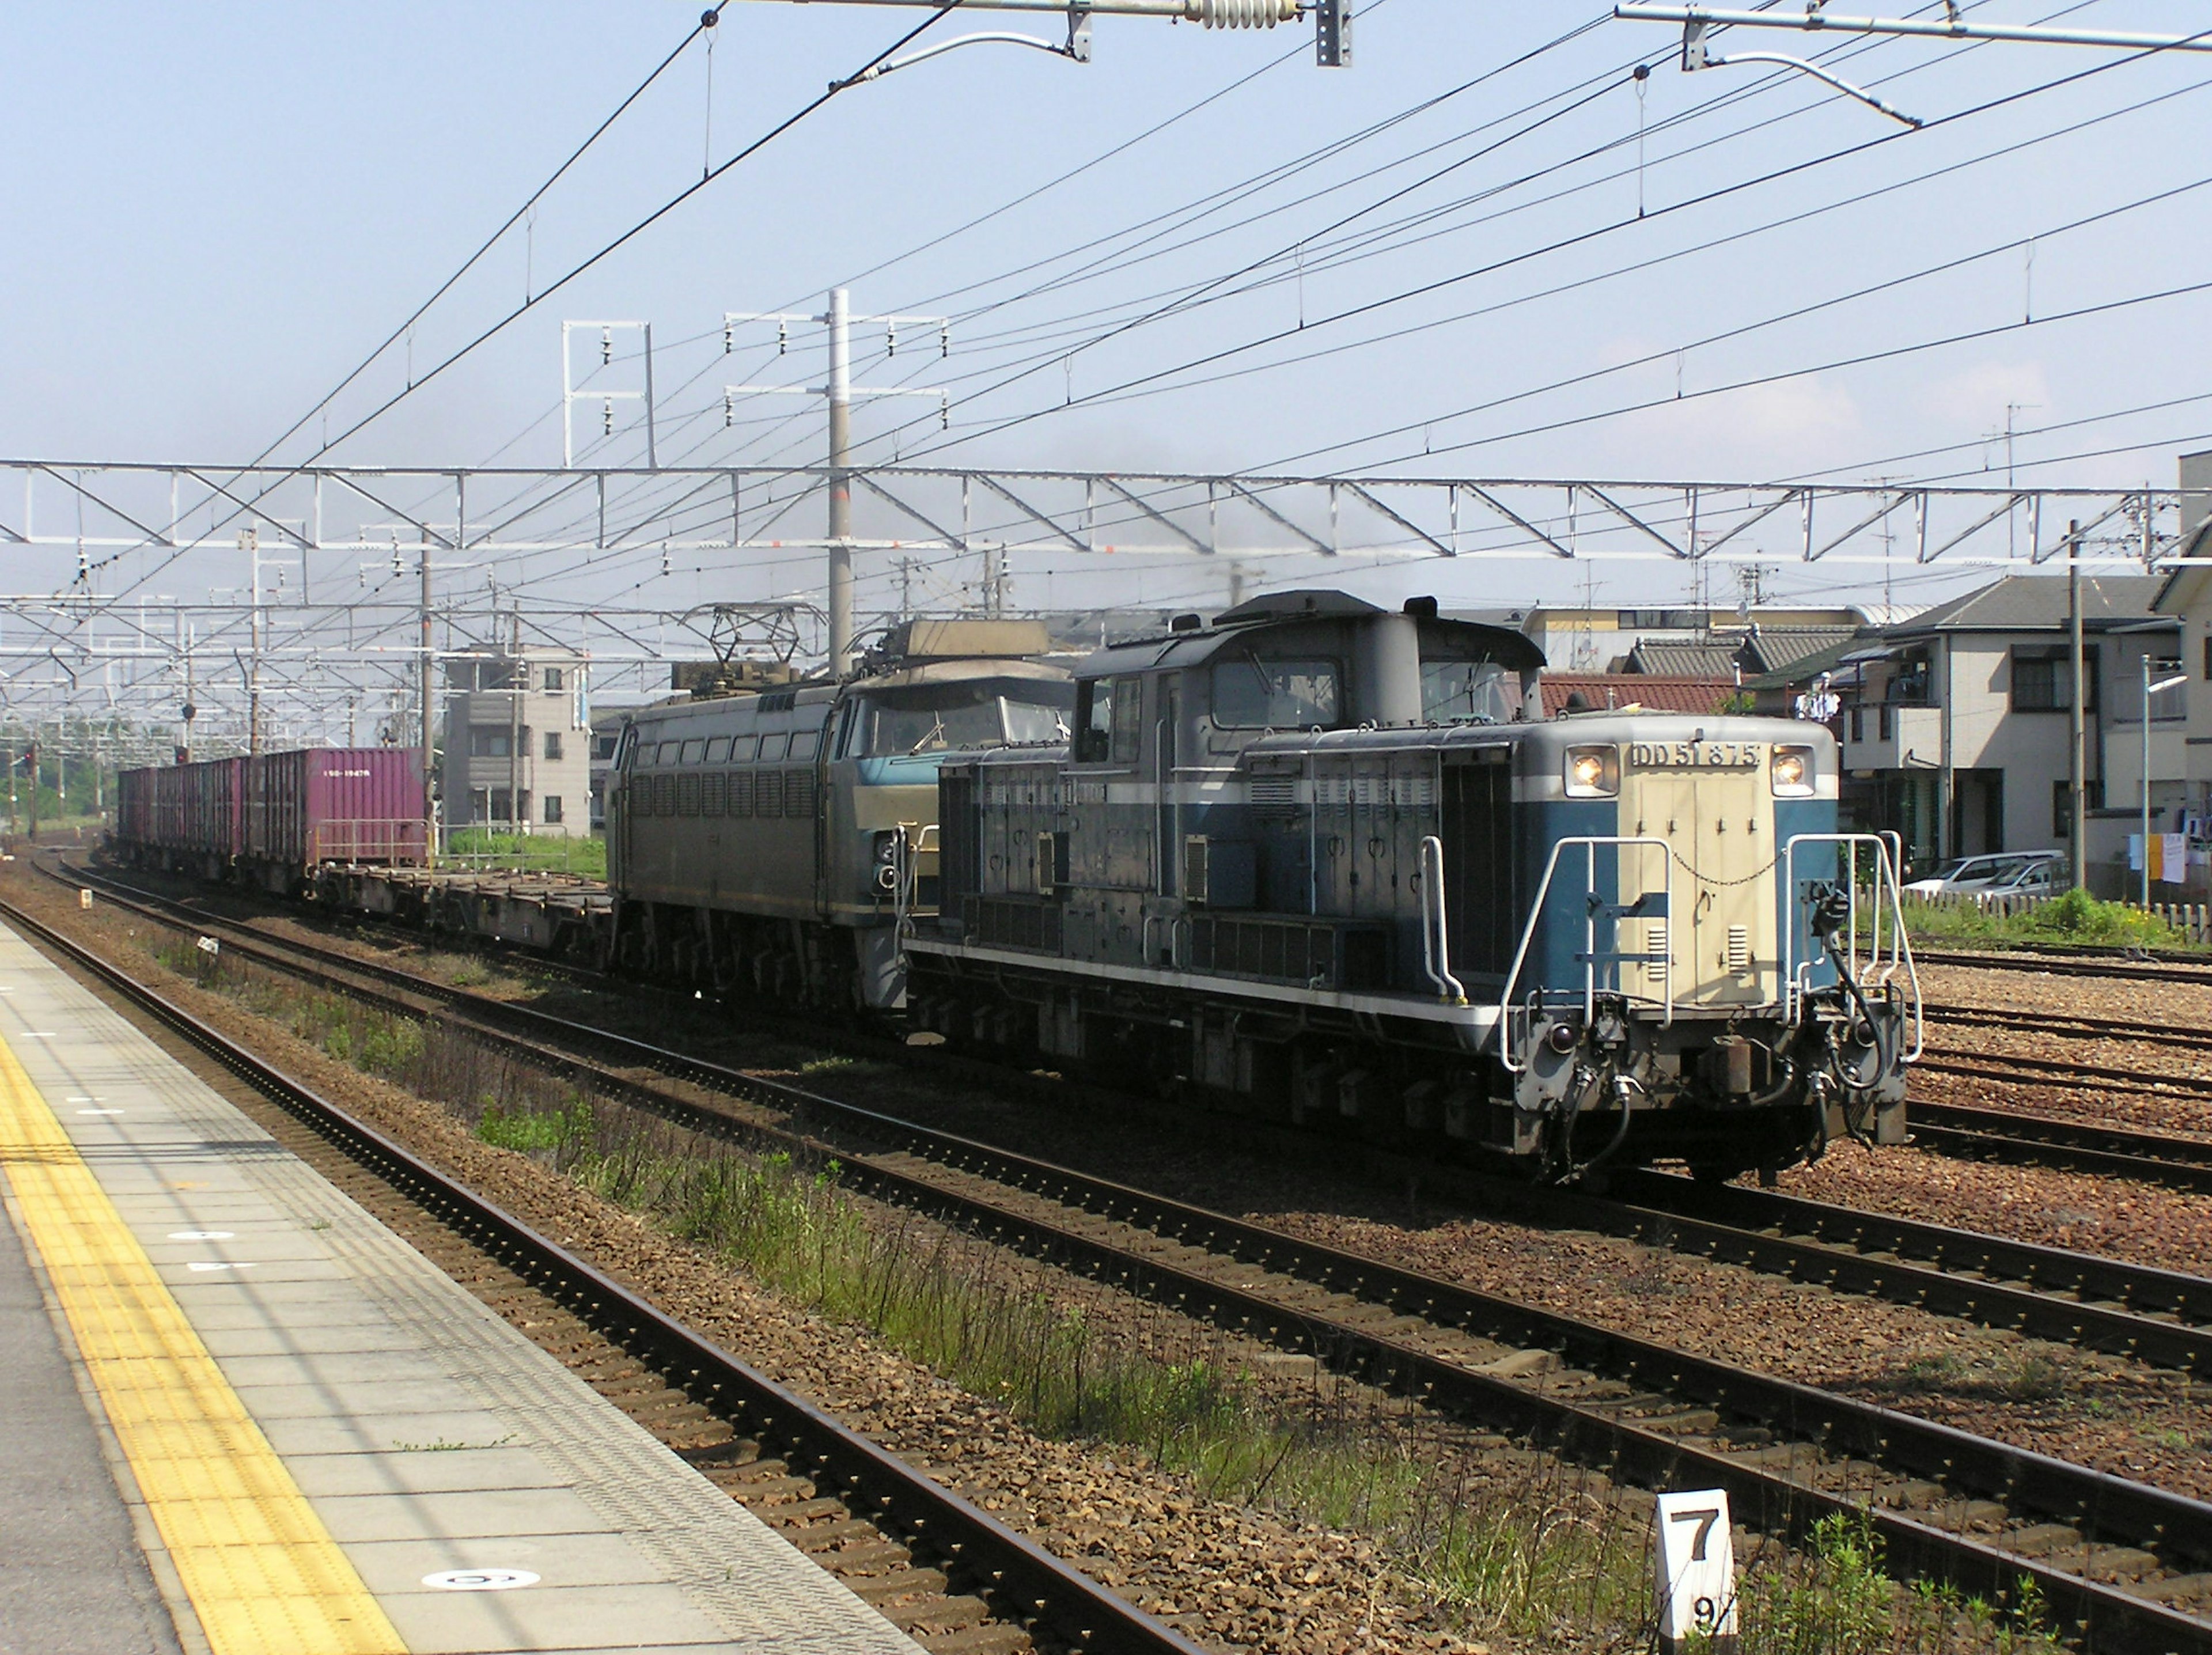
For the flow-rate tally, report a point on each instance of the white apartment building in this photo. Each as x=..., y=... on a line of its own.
x=517, y=751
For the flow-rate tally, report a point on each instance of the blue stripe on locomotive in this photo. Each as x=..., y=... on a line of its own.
x=1552, y=964
x=1815, y=864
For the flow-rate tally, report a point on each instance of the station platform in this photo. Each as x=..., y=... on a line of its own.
x=244, y=1418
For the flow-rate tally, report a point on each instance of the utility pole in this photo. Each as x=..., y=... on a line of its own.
x=249, y=542
x=840, y=390
x=2077, y=751
x=34, y=784
x=430, y=741
x=841, y=482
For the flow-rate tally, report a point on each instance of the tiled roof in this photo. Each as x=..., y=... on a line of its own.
x=1701, y=695
x=2037, y=603
x=1716, y=659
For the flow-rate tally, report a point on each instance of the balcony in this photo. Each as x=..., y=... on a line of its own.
x=1888, y=735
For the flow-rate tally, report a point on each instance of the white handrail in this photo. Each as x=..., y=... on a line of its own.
x=1436, y=939
x=1590, y=845
x=1885, y=880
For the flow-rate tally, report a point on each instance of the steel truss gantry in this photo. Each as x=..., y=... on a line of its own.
x=614, y=563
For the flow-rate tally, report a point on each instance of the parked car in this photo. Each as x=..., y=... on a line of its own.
x=2013, y=874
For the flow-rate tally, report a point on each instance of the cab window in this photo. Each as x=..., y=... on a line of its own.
x=1094, y=721
x=1251, y=693
x=1109, y=720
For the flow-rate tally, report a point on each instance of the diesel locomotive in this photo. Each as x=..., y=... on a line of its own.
x=1319, y=861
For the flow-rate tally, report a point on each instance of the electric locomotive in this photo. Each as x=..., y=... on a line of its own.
x=1323, y=861
x=770, y=842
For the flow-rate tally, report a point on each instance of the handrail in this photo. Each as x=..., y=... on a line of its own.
x=1590, y=845
x=1436, y=939
x=1874, y=971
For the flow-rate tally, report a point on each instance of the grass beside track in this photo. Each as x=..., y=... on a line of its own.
x=2075, y=919
x=1524, y=1548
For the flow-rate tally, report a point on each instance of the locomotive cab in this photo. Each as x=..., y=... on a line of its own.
x=1318, y=857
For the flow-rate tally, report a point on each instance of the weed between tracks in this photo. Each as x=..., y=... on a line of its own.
x=1517, y=1545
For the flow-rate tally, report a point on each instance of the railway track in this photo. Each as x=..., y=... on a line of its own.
x=1972, y=1133
x=1948, y=1503
x=2149, y=967
x=970, y=1570
x=2070, y=1025
x=2156, y=1316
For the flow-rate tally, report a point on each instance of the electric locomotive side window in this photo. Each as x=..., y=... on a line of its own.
x=805, y=744
x=1468, y=693
x=1252, y=694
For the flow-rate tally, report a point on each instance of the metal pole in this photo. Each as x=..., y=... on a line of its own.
x=251, y=540
x=652, y=443
x=2077, y=751
x=429, y=742
x=841, y=486
x=2146, y=784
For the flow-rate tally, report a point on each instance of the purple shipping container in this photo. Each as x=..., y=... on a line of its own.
x=334, y=805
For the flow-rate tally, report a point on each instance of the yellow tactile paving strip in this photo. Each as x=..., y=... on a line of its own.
x=263, y=1573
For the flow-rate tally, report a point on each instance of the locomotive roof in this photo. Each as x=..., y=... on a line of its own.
x=1287, y=614
x=962, y=672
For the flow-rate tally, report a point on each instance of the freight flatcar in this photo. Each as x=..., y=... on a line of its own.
x=772, y=843
x=275, y=820
x=1316, y=860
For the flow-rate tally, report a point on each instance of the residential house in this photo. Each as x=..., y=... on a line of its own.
x=2186, y=596
x=517, y=748
x=1955, y=723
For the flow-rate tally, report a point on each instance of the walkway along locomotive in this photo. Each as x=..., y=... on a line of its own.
x=1311, y=860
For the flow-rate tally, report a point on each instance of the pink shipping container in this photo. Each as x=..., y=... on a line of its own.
x=334, y=805
x=285, y=812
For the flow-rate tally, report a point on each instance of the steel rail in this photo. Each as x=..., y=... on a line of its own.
x=1014, y=1574
x=2166, y=966
x=1962, y=1130
x=1676, y=1214
x=2071, y=1026
x=1988, y=1066
x=2105, y=1504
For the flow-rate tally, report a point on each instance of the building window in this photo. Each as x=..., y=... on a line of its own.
x=2043, y=680
x=490, y=741
x=556, y=679
x=479, y=805
x=2167, y=706
x=2062, y=814
x=503, y=805
x=602, y=746
x=553, y=810
x=553, y=744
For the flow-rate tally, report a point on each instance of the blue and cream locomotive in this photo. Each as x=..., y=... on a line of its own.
x=1318, y=860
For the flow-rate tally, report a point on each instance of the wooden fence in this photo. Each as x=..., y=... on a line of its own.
x=2193, y=921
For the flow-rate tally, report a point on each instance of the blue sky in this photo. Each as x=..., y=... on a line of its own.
x=213, y=212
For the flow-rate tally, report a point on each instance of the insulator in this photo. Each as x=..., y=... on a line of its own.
x=945, y=341
x=729, y=338
x=1242, y=14
x=607, y=334
x=890, y=338
x=607, y=418
x=729, y=410
x=782, y=336
x=663, y=560
x=944, y=414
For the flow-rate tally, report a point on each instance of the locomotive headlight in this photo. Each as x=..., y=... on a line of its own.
x=887, y=862
x=1793, y=772
x=1592, y=772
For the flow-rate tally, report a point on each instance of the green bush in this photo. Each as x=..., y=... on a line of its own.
x=2076, y=917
